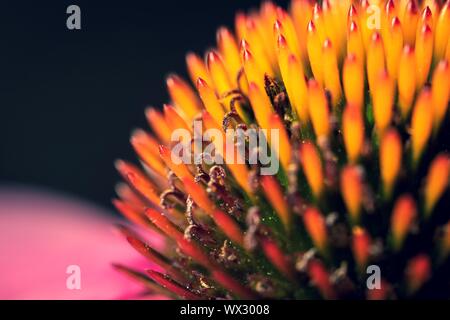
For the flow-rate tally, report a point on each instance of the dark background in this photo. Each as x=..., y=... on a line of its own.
x=70, y=98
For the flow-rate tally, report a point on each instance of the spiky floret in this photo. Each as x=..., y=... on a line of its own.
x=364, y=167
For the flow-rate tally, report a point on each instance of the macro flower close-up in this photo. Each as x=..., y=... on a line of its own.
x=357, y=92
x=304, y=155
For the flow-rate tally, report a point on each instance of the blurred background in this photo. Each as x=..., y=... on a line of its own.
x=70, y=98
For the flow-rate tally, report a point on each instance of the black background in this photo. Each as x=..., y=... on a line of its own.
x=70, y=98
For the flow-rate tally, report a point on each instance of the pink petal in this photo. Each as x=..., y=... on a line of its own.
x=41, y=234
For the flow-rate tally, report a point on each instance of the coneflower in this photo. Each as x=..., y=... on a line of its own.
x=361, y=112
